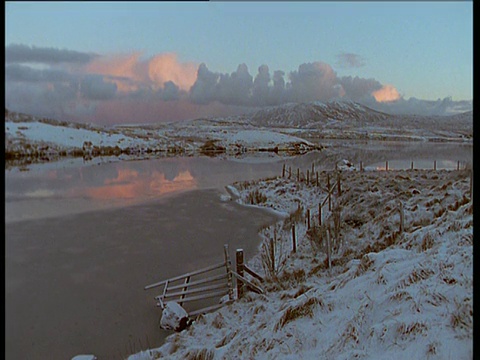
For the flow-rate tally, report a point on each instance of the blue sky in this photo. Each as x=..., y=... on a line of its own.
x=423, y=49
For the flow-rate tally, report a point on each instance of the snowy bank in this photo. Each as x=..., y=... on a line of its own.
x=388, y=293
x=36, y=139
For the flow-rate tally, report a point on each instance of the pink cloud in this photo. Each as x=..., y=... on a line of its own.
x=152, y=72
x=387, y=93
x=165, y=67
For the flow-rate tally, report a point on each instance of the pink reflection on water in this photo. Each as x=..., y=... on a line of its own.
x=130, y=184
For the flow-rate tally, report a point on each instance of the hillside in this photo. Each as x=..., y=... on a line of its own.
x=389, y=291
x=350, y=120
x=316, y=114
x=289, y=129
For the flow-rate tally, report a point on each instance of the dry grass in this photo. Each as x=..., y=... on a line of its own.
x=415, y=276
x=462, y=316
x=365, y=264
x=336, y=220
x=458, y=203
x=432, y=348
x=422, y=222
x=436, y=299
x=272, y=255
x=427, y=242
x=226, y=339
x=316, y=236
x=351, y=334
x=297, y=216
x=199, y=354
x=256, y=197
x=412, y=329
x=305, y=308
x=218, y=322
x=400, y=296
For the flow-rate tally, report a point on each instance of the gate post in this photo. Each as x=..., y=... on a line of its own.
x=239, y=265
x=229, y=272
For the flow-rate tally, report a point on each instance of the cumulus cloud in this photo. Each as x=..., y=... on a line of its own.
x=23, y=73
x=170, y=91
x=152, y=72
x=261, y=85
x=94, y=87
x=203, y=91
x=386, y=93
x=349, y=60
x=313, y=81
x=166, y=67
x=235, y=89
x=278, y=90
x=128, y=87
x=356, y=88
x=18, y=53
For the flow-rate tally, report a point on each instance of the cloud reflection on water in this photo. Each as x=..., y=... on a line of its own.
x=131, y=184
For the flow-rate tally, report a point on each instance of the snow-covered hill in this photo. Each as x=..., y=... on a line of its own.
x=38, y=138
x=350, y=120
x=287, y=128
x=316, y=114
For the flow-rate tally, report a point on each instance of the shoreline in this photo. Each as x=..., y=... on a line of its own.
x=438, y=221
x=104, y=259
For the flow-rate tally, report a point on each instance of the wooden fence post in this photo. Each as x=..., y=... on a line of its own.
x=298, y=174
x=458, y=165
x=319, y=214
x=411, y=165
x=308, y=219
x=283, y=171
x=402, y=217
x=316, y=174
x=289, y=172
x=272, y=254
x=471, y=185
x=434, y=164
x=294, y=241
x=187, y=280
x=239, y=267
x=339, y=186
x=328, y=249
x=328, y=190
x=308, y=176
x=329, y=197
x=361, y=166
x=228, y=265
x=386, y=165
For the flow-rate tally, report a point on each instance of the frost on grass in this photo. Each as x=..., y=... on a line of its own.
x=388, y=293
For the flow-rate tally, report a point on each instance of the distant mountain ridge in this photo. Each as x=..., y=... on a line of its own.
x=316, y=114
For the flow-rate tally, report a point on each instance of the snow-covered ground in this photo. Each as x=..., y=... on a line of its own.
x=38, y=139
x=387, y=295
x=287, y=129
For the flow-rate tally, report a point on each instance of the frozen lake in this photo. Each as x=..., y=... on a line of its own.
x=83, y=240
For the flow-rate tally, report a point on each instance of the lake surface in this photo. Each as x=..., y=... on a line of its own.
x=82, y=240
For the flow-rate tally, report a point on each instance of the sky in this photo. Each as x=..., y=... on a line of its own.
x=137, y=62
